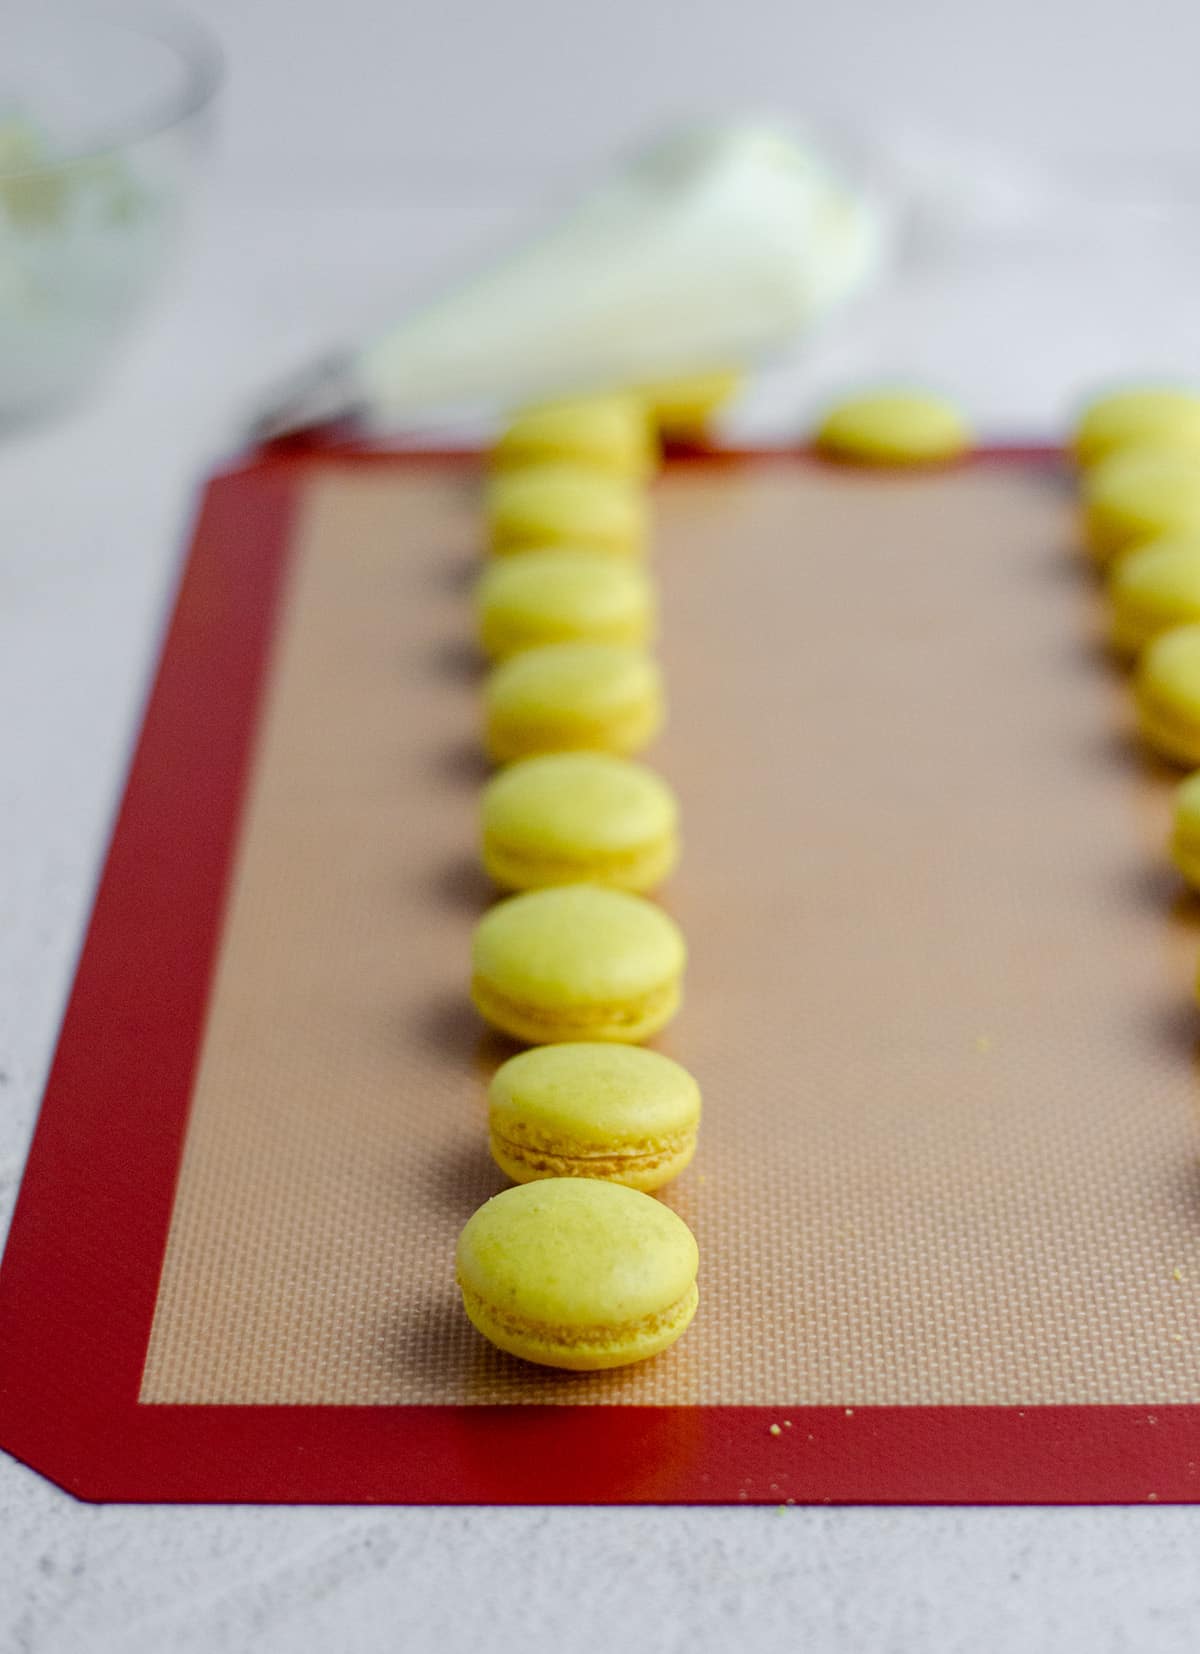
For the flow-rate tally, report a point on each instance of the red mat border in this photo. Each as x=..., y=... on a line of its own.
x=80, y=1273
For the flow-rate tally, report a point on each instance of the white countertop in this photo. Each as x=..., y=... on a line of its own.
x=93, y=511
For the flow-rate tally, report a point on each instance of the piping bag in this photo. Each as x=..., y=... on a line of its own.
x=711, y=248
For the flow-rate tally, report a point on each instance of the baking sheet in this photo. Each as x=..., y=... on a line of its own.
x=938, y=1000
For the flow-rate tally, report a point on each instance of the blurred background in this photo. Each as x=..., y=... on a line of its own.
x=1041, y=161
x=1050, y=154
x=368, y=100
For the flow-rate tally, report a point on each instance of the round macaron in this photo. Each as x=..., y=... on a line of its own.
x=1140, y=494
x=577, y=962
x=1153, y=587
x=579, y=818
x=1185, y=834
x=613, y=1111
x=683, y=409
x=1152, y=416
x=572, y=697
x=562, y=596
x=894, y=428
x=566, y=505
x=577, y=1273
x=603, y=433
x=1167, y=694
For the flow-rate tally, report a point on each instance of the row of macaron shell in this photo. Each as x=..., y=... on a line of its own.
x=1138, y=454
x=579, y=964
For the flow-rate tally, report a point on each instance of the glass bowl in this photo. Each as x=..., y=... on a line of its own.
x=103, y=121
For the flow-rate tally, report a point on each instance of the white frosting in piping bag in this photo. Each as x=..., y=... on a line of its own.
x=709, y=249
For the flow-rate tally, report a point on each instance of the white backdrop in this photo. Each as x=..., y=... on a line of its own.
x=362, y=100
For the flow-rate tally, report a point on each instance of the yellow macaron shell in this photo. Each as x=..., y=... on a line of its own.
x=566, y=505
x=894, y=428
x=572, y=697
x=577, y=962
x=1140, y=494
x=1160, y=417
x=578, y=1273
x=613, y=1111
x=572, y=817
x=562, y=597
x=1167, y=694
x=683, y=408
x=1185, y=837
x=604, y=433
x=1153, y=587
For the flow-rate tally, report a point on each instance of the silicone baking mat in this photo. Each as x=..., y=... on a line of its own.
x=939, y=1002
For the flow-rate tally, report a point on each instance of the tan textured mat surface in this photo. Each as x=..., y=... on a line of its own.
x=938, y=1001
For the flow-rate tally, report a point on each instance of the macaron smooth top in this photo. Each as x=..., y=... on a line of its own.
x=1156, y=416
x=1167, y=694
x=577, y=962
x=573, y=697
x=894, y=428
x=578, y=1273
x=562, y=596
x=591, y=1110
x=563, y=818
x=1185, y=837
x=610, y=433
x=566, y=505
x=1140, y=494
x=1153, y=587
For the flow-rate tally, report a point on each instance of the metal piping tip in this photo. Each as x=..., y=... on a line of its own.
x=325, y=391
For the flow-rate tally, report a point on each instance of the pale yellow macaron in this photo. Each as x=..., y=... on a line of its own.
x=610, y=434
x=683, y=409
x=894, y=428
x=1167, y=694
x=1154, y=586
x=1139, y=494
x=577, y=962
x=613, y=1111
x=1160, y=417
x=579, y=818
x=572, y=697
x=1185, y=836
x=574, y=1272
x=562, y=597
x=566, y=505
